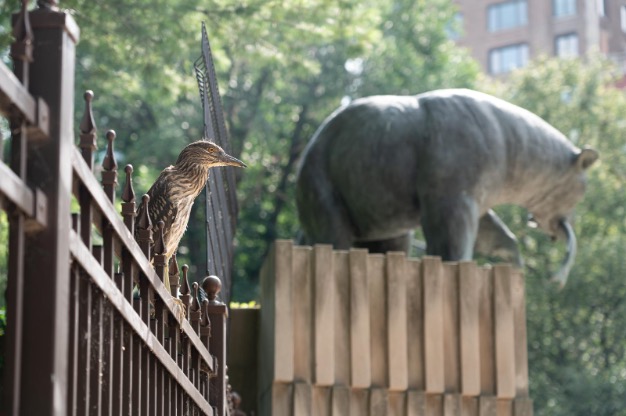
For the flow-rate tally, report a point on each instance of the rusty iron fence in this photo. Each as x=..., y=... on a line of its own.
x=91, y=330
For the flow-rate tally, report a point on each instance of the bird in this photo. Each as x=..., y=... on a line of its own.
x=173, y=193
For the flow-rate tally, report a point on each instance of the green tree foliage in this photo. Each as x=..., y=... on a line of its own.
x=286, y=101
x=577, y=343
x=281, y=67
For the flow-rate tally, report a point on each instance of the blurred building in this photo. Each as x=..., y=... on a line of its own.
x=506, y=34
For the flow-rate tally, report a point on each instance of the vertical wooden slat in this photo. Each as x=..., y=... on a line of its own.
x=342, y=317
x=302, y=314
x=378, y=320
x=487, y=406
x=451, y=404
x=282, y=399
x=521, y=340
x=323, y=315
x=378, y=402
x=360, y=365
x=504, y=407
x=277, y=316
x=469, y=291
x=396, y=404
x=415, y=325
x=469, y=406
x=321, y=401
x=416, y=403
x=504, y=332
x=451, y=333
x=434, y=405
x=397, y=357
x=359, y=402
x=340, y=401
x=302, y=399
x=523, y=406
x=432, y=273
x=486, y=325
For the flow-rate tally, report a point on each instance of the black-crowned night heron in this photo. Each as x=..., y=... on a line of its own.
x=173, y=193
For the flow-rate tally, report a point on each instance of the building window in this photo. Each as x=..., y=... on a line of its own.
x=507, y=58
x=567, y=45
x=622, y=18
x=507, y=15
x=564, y=8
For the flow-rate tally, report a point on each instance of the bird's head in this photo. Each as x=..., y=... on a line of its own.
x=206, y=154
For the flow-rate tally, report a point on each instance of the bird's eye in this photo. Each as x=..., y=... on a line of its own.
x=211, y=150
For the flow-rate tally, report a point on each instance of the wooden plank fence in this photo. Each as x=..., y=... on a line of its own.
x=351, y=333
x=92, y=330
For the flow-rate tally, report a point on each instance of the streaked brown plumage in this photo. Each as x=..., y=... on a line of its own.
x=173, y=193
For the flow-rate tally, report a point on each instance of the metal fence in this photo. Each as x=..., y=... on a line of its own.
x=91, y=328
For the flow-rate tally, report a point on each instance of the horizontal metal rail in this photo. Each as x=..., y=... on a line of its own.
x=13, y=96
x=84, y=257
x=106, y=208
x=32, y=203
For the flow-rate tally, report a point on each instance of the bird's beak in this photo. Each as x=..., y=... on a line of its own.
x=228, y=160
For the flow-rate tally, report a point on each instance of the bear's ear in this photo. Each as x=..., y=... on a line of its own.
x=586, y=158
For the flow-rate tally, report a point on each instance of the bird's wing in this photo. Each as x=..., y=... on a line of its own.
x=161, y=207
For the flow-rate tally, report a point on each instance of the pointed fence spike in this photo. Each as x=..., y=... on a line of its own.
x=204, y=316
x=88, y=125
x=109, y=163
x=88, y=130
x=128, y=195
x=195, y=303
x=143, y=221
x=109, y=168
x=185, y=290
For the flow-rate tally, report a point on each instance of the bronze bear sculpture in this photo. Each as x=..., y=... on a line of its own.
x=383, y=165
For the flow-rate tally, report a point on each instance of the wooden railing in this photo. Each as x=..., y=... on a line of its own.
x=92, y=330
x=352, y=333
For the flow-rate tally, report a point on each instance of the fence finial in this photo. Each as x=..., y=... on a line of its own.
x=143, y=221
x=184, y=290
x=88, y=130
x=212, y=286
x=204, y=315
x=128, y=195
x=143, y=233
x=109, y=166
x=109, y=163
x=195, y=303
